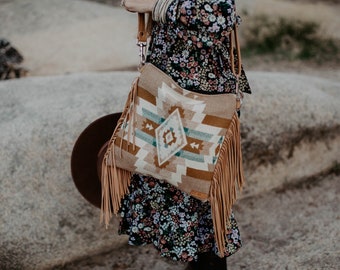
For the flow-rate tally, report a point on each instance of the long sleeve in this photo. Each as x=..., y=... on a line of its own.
x=191, y=44
x=213, y=19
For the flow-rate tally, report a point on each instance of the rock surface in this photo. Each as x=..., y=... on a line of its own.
x=62, y=36
x=294, y=228
x=291, y=128
x=44, y=220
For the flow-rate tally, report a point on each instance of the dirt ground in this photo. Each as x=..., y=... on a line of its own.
x=296, y=227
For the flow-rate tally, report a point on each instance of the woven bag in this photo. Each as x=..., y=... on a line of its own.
x=188, y=139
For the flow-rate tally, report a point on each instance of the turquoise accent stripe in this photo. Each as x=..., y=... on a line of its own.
x=198, y=134
x=152, y=116
x=214, y=160
x=145, y=137
x=183, y=154
x=190, y=156
x=203, y=136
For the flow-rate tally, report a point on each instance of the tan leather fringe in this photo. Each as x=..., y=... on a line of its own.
x=228, y=175
x=115, y=181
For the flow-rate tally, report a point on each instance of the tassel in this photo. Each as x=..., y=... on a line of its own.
x=116, y=181
x=228, y=176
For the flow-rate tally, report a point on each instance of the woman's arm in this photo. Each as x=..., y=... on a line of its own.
x=141, y=6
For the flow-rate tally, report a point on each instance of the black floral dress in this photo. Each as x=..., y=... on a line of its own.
x=193, y=48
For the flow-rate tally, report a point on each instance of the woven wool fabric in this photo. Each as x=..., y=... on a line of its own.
x=190, y=140
x=178, y=133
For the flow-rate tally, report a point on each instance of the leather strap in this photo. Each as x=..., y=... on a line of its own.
x=233, y=37
x=142, y=34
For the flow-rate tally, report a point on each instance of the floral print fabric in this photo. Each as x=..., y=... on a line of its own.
x=178, y=225
x=193, y=48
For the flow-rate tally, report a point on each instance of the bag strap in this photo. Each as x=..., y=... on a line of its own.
x=142, y=34
x=142, y=37
x=233, y=37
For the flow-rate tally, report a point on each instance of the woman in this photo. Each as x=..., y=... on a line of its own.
x=190, y=42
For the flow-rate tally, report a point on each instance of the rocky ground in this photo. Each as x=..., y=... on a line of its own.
x=296, y=227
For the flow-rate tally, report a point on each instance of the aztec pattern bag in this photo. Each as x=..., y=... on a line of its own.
x=188, y=139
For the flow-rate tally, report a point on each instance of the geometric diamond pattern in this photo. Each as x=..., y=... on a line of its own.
x=170, y=137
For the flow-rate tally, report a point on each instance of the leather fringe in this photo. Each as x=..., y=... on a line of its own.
x=116, y=181
x=228, y=176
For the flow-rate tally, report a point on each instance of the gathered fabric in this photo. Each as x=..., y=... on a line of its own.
x=193, y=46
x=178, y=225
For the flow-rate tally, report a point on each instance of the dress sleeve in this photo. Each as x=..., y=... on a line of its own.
x=214, y=18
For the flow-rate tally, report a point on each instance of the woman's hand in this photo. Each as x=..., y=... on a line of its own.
x=140, y=6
